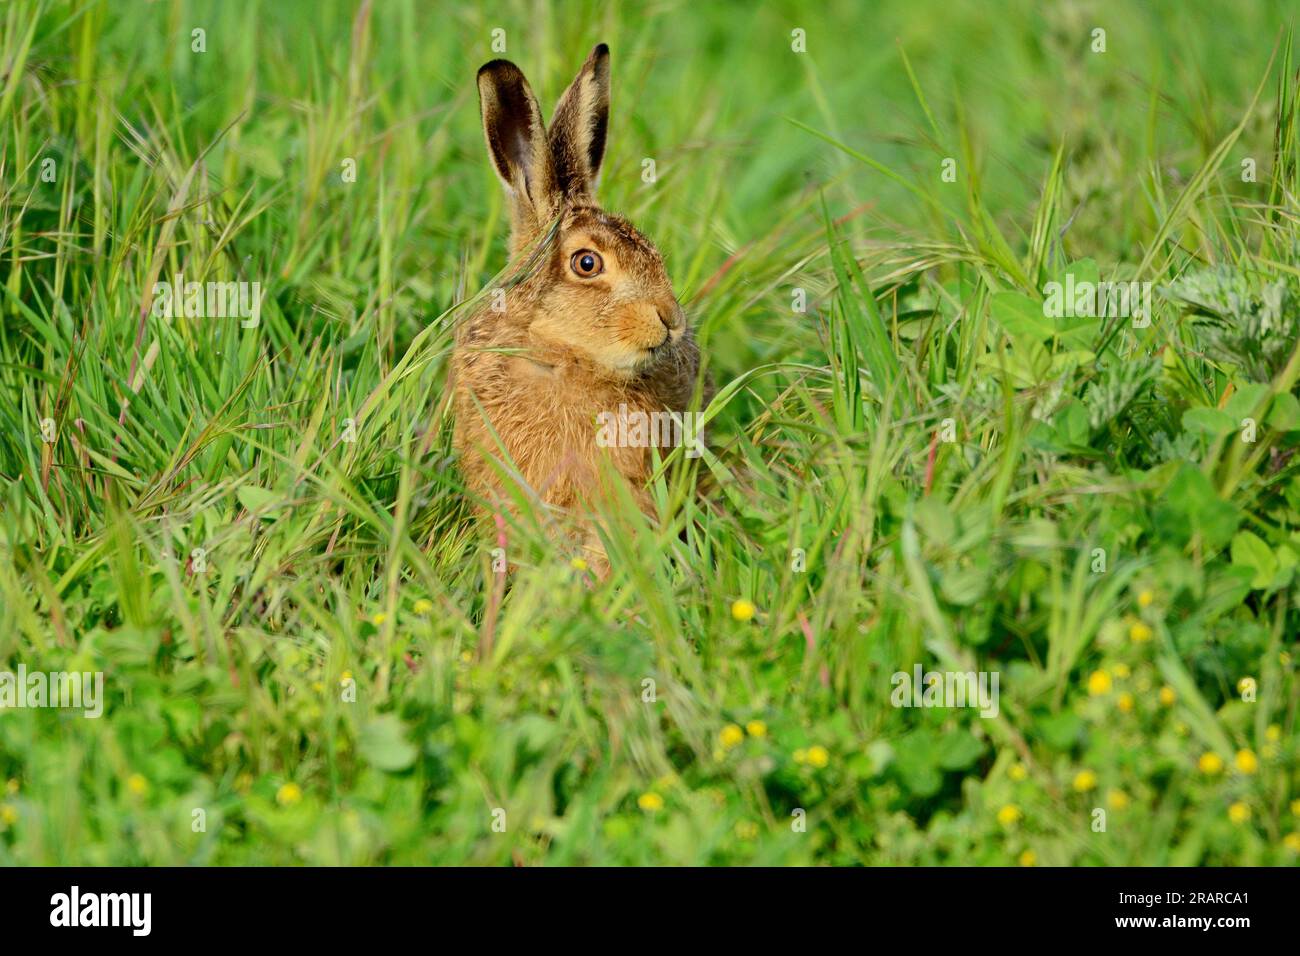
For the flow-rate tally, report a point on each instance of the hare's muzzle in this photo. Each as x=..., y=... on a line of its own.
x=672, y=316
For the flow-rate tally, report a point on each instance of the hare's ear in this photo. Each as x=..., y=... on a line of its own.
x=578, y=127
x=516, y=141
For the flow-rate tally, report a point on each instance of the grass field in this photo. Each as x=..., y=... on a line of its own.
x=256, y=532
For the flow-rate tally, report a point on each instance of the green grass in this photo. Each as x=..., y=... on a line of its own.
x=330, y=564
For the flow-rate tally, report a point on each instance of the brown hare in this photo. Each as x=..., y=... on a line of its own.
x=587, y=326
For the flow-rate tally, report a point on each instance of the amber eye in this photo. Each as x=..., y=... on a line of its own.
x=587, y=263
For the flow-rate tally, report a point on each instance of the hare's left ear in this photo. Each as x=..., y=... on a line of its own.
x=577, y=133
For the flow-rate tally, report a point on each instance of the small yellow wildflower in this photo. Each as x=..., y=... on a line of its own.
x=8, y=814
x=379, y=619
x=422, y=606
x=1273, y=734
x=1009, y=815
x=731, y=736
x=1099, y=683
x=1125, y=703
x=1292, y=842
x=1167, y=696
x=1117, y=799
x=1295, y=808
x=288, y=795
x=1245, y=684
x=1145, y=598
x=578, y=564
x=1140, y=632
x=818, y=756
x=1121, y=671
x=345, y=677
x=1084, y=781
x=1017, y=772
x=650, y=802
x=1029, y=858
x=1239, y=813
x=137, y=784
x=1246, y=761
x=1210, y=763
x=756, y=728
x=743, y=610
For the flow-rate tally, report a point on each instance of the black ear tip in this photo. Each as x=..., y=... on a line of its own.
x=601, y=50
x=498, y=67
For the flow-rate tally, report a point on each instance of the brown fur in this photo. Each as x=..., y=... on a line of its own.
x=565, y=348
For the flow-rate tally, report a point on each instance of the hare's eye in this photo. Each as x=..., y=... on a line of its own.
x=587, y=263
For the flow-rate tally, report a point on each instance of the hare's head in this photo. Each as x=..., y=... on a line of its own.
x=595, y=286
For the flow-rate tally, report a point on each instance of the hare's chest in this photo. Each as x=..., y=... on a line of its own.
x=566, y=426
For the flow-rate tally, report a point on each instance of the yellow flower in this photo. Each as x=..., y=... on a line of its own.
x=818, y=756
x=731, y=736
x=743, y=610
x=1295, y=808
x=1239, y=813
x=1140, y=632
x=1273, y=734
x=422, y=606
x=1117, y=799
x=1125, y=703
x=8, y=814
x=1009, y=815
x=756, y=728
x=1167, y=696
x=650, y=802
x=1210, y=763
x=1017, y=772
x=800, y=756
x=1145, y=598
x=1085, y=780
x=1098, y=683
x=1121, y=671
x=137, y=784
x=379, y=619
x=317, y=686
x=1246, y=761
x=1292, y=842
x=1245, y=684
x=345, y=677
x=1029, y=858
x=288, y=795
x=578, y=564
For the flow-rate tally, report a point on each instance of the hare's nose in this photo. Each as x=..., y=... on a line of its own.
x=672, y=316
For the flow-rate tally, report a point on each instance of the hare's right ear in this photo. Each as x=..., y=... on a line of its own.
x=516, y=141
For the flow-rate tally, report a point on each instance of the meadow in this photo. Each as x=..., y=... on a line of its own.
x=254, y=528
